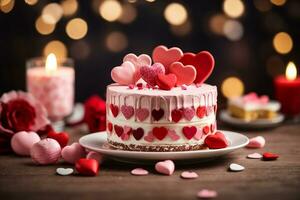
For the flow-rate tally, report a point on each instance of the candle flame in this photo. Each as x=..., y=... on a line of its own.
x=291, y=71
x=51, y=63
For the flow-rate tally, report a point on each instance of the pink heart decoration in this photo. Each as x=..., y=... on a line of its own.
x=22, y=142
x=142, y=113
x=125, y=137
x=166, y=56
x=188, y=113
x=127, y=130
x=207, y=194
x=166, y=167
x=127, y=111
x=189, y=175
x=254, y=156
x=138, y=62
x=149, y=73
x=172, y=134
x=72, y=153
x=139, y=172
x=198, y=134
x=124, y=74
x=149, y=137
x=257, y=142
x=186, y=74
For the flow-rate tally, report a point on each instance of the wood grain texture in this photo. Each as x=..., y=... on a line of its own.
x=21, y=179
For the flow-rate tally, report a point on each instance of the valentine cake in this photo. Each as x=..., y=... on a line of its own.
x=165, y=106
x=252, y=107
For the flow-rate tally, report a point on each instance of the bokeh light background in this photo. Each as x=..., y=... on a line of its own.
x=252, y=41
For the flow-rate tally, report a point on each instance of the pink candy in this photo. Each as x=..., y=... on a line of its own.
x=207, y=194
x=189, y=175
x=73, y=152
x=166, y=167
x=139, y=172
x=22, y=142
x=257, y=142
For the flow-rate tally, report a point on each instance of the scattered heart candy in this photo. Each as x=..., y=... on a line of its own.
x=125, y=74
x=46, y=151
x=236, y=167
x=149, y=73
x=216, y=141
x=166, y=82
x=257, y=142
x=189, y=175
x=64, y=171
x=166, y=167
x=185, y=74
x=95, y=155
x=207, y=194
x=139, y=172
x=72, y=153
x=255, y=156
x=62, y=138
x=270, y=156
x=87, y=167
x=22, y=142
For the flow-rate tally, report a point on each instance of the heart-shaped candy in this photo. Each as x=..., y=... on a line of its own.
x=166, y=167
x=255, y=156
x=270, y=156
x=95, y=155
x=125, y=74
x=201, y=111
x=118, y=130
x=172, y=134
x=73, y=152
x=157, y=114
x=236, y=167
x=64, y=171
x=138, y=62
x=160, y=132
x=166, y=82
x=189, y=175
x=189, y=131
x=207, y=194
x=257, y=142
x=149, y=73
x=139, y=172
x=166, y=56
x=142, y=114
x=203, y=62
x=114, y=109
x=176, y=115
x=188, y=113
x=62, y=138
x=216, y=141
x=127, y=111
x=186, y=74
x=138, y=133
x=87, y=167
x=22, y=142
x=149, y=137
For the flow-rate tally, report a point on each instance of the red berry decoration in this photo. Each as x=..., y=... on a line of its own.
x=270, y=156
x=189, y=132
x=176, y=115
x=119, y=130
x=160, y=132
x=157, y=114
x=62, y=138
x=138, y=133
x=87, y=167
x=216, y=141
x=114, y=110
x=166, y=82
x=201, y=111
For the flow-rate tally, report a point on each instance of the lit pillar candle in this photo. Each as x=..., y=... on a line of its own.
x=287, y=90
x=53, y=85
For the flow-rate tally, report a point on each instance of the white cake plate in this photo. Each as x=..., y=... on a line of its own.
x=97, y=142
x=257, y=124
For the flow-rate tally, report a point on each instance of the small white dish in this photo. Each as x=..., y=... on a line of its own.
x=257, y=124
x=98, y=142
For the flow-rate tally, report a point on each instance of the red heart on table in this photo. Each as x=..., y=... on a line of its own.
x=157, y=114
x=189, y=131
x=176, y=115
x=270, y=156
x=114, y=109
x=166, y=82
x=186, y=74
x=138, y=133
x=216, y=141
x=149, y=73
x=160, y=132
x=127, y=111
x=201, y=111
x=62, y=138
x=203, y=62
x=165, y=56
x=119, y=130
x=142, y=113
x=87, y=167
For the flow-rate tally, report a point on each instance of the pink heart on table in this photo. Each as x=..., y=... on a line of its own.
x=207, y=194
x=188, y=113
x=186, y=74
x=166, y=56
x=172, y=134
x=189, y=175
x=142, y=113
x=166, y=167
x=139, y=172
x=149, y=137
x=198, y=135
x=124, y=74
x=257, y=142
x=73, y=152
x=138, y=62
x=149, y=73
x=127, y=111
x=22, y=142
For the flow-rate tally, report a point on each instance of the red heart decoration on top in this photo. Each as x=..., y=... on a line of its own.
x=62, y=138
x=166, y=82
x=160, y=132
x=119, y=130
x=157, y=114
x=186, y=74
x=189, y=132
x=203, y=62
x=87, y=167
x=114, y=110
x=138, y=133
x=216, y=141
x=149, y=73
x=176, y=115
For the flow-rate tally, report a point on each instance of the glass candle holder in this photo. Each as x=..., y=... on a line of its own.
x=52, y=81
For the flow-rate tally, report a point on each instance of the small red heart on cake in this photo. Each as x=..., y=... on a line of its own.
x=149, y=73
x=62, y=138
x=206, y=129
x=216, y=141
x=138, y=133
x=270, y=156
x=201, y=111
x=203, y=62
x=176, y=115
x=110, y=126
x=114, y=110
x=127, y=111
x=142, y=113
x=189, y=131
x=119, y=130
x=87, y=167
x=166, y=82
x=185, y=74
x=160, y=132
x=157, y=114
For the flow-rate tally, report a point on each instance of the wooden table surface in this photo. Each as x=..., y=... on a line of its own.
x=280, y=179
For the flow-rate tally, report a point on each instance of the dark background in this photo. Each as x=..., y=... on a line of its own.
x=252, y=58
